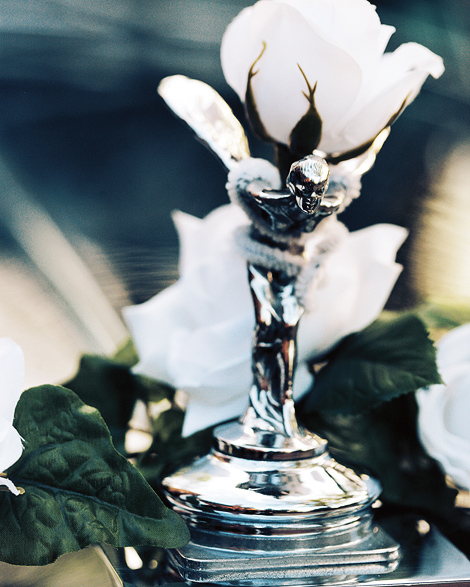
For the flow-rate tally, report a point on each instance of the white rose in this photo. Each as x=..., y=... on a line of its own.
x=196, y=335
x=337, y=45
x=444, y=410
x=11, y=385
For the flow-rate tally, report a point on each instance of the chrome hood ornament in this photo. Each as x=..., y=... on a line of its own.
x=268, y=505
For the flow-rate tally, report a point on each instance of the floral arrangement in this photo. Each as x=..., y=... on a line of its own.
x=309, y=81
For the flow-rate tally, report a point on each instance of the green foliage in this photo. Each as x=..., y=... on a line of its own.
x=391, y=357
x=112, y=388
x=363, y=404
x=385, y=441
x=109, y=387
x=166, y=455
x=78, y=489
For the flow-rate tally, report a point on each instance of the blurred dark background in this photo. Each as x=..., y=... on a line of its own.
x=85, y=140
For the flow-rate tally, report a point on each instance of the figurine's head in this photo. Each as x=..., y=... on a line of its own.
x=308, y=181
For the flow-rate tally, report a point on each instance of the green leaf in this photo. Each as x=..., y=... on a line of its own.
x=306, y=134
x=111, y=388
x=392, y=356
x=385, y=441
x=251, y=108
x=78, y=489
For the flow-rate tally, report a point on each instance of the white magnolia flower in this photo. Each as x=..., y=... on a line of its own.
x=196, y=335
x=444, y=410
x=337, y=46
x=12, y=371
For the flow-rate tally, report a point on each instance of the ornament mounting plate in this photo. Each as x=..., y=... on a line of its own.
x=376, y=554
x=428, y=560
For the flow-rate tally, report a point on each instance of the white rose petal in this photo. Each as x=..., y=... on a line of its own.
x=339, y=45
x=11, y=385
x=444, y=410
x=197, y=334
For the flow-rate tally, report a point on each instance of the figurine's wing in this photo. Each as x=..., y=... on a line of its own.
x=207, y=113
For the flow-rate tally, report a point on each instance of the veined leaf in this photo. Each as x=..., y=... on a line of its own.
x=392, y=356
x=111, y=388
x=78, y=489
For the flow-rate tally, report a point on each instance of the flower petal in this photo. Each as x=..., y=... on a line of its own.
x=151, y=325
x=402, y=73
x=194, y=244
x=352, y=25
x=11, y=448
x=213, y=355
x=279, y=84
x=198, y=416
x=12, y=371
x=443, y=409
x=357, y=280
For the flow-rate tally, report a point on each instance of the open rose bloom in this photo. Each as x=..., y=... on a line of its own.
x=335, y=47
x=444, y=410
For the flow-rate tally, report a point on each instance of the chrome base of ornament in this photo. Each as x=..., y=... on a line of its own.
x=428, y=560
x=267, y=516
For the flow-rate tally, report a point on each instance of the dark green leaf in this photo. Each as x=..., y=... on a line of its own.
x=306, y=134
x=392, y=356
x=78, y=489
x=251, y=108
x=385, y=441
x=111, y=388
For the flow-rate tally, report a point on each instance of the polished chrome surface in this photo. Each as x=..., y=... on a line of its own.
x=307, y=493
x=269, y=504
x=428, y=560
x=207, y=113
x=374, y=555
x=260, y=519
x=243, y=440
x=269, y=429
x=297, y=209
x=308, y=181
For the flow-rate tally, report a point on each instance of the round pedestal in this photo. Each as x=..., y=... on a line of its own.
x=260, y=517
